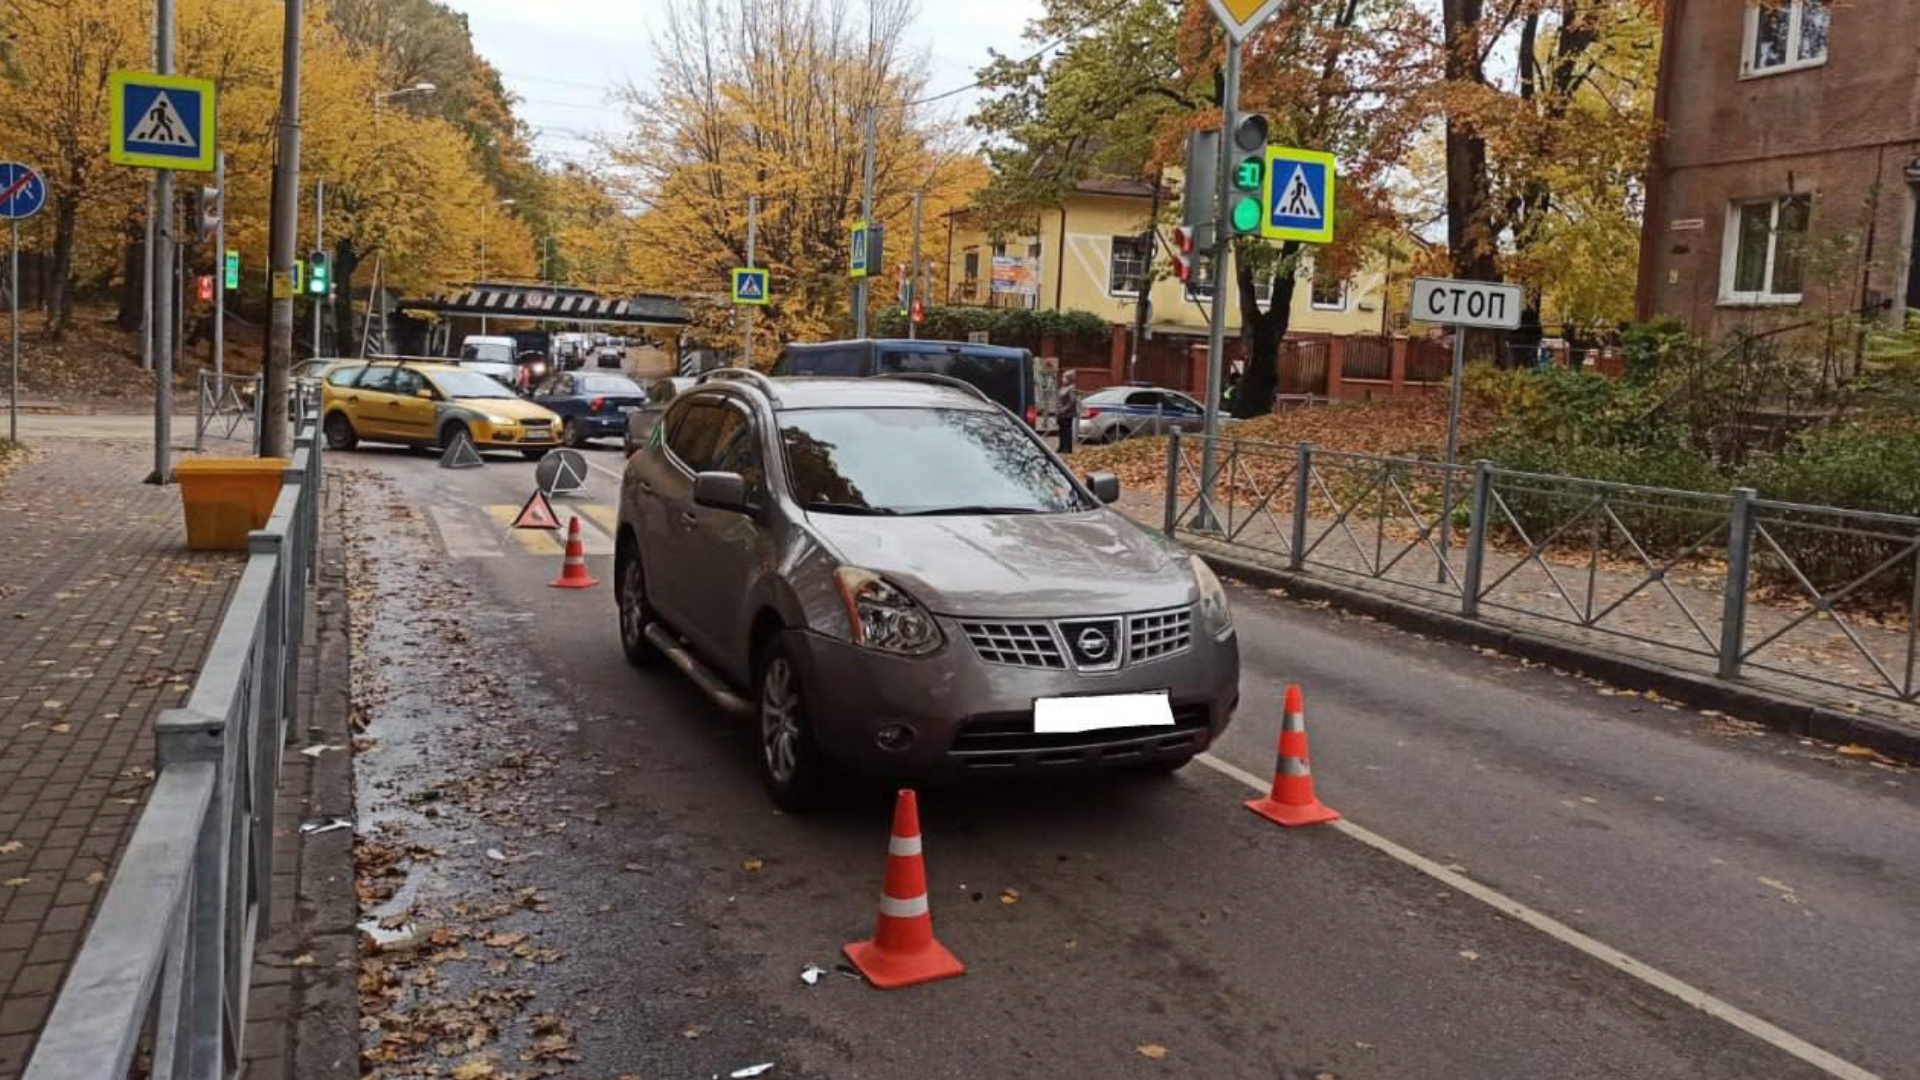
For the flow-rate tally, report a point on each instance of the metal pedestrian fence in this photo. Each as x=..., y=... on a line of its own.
x=1738, y=586
x=223, y=404
x=160, y=985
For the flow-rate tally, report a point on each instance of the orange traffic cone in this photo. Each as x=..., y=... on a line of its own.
x=573, y=572
x=1292, y=801
x=902, y=951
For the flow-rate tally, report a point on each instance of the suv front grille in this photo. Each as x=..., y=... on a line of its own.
x=1021, y=644
x=1074, y=643
x=1007, y=740
x=1160, y=633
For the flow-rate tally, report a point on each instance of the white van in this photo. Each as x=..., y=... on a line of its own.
x=490, y=356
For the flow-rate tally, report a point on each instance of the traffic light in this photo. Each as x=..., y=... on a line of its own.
x=1249, y=160
x=299, y=276
x=1183, y=253
x=317, y=273
x=233, y=270
x=1203, y=161
x=207, y=213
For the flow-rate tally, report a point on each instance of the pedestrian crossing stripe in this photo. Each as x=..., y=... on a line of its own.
x=599, y=522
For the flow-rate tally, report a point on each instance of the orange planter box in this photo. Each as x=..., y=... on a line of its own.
x=226, y=498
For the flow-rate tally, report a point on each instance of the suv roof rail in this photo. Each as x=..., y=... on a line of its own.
x=740, y=374
x=937, y=379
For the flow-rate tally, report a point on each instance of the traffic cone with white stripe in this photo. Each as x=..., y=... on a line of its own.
x=1292, y=802
x=902, y=951
x=573, y=571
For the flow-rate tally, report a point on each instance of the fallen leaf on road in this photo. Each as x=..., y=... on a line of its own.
x=496, y=854
x=1469, y=954
x=1151, y=1050
x=693, y=1032
x=1011, y=896
x=316, y=751
x=15, y=882
x=305, y=959
x=752, y=1070
x=812, y=974
x=504, y=940
x=59, y=729
x=751, y=866
x=96, y=877
x=10, y=847
x=474, y=1068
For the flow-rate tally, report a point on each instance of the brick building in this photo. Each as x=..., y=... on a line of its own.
x=1785, y=186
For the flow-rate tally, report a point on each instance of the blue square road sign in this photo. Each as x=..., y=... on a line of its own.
x=1298, y=191
x=750, y=285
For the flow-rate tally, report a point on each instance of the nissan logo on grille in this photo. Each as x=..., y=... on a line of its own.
x=1094, y=643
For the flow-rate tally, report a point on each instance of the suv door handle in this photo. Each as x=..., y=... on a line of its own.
x=687, y=520
x=646, y=487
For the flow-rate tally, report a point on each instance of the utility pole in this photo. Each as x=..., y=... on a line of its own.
x=286, y=221
x=913, y=273
x=220, y=278
x=146, y=248
x=319, y=244
x=753, y=234
x=160, y=260
x=866, y=215
x=1222, y=242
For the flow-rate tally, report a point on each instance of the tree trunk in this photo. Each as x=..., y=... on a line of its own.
x=1470, y=227
x=1262, y=332
x=66, y=212
x=133, y=262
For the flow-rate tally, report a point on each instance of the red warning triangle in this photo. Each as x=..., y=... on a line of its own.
x=537, y=514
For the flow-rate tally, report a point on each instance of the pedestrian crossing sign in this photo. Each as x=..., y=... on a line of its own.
x=161, y=121
x=750, y=285
x=1298, y=195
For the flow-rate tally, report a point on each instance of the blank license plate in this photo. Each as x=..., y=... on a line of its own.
x=1056, y=716
x=629, y=408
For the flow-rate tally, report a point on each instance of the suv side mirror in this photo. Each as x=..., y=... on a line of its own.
x=423, y=392
x=721, y=491
x=1105, y=486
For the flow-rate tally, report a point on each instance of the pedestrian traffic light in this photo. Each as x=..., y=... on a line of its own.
x=317, y=273
x=207, y=213
x=233, y=270
x=1183, y=253
x=1249, y=171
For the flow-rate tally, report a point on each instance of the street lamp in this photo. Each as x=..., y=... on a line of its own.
x=483, y=254
x=416, y=88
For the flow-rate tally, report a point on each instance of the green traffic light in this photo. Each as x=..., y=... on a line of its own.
x=1246, y=214
x=1248, y=174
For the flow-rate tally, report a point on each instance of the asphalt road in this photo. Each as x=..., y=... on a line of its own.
x=1118, y=926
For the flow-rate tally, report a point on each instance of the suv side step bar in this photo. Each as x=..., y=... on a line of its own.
x=713, y=685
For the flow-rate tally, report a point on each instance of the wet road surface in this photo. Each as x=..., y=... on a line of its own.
x=585, y=875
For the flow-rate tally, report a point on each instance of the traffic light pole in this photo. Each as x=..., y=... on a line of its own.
x=753, y=234
x=319, y=244
x=161, y=261
x=220, y=282
x=1222, y=242
x=913, y=274
x=866, y=215
x=286, y=217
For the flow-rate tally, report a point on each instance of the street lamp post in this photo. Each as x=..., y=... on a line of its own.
x=483, y=257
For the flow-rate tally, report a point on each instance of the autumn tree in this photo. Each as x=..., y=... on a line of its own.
x=770, y=98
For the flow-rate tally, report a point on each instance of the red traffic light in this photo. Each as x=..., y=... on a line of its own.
x=1182, y=252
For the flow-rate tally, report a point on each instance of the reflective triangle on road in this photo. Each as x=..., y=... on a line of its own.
x=536, y=514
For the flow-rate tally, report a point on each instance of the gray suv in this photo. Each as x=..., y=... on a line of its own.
x=893, y=576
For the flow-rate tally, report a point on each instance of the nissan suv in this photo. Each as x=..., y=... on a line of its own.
x=895, y=577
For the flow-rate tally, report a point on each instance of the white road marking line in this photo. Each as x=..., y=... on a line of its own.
x=597, y=467
x=1731, y=1014
x=462, y=537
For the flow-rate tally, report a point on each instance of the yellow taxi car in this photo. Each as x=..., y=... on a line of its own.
x=421, y=403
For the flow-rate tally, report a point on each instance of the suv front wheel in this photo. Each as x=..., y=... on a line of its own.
x=797, y=774
x=630, y=596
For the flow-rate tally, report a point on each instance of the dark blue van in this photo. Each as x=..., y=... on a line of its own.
x=1003, y=374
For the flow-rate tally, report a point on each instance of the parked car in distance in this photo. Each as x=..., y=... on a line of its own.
x=490, y=356
x=429, y=404
x=660, y=394
x=590, y=404
x=1121, y=412
x=1004, y=375
x=896, y=578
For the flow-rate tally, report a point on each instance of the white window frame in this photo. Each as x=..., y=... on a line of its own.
x=1198, y=260
x=1146, y=264
x=1340, y=305
x=1730, y=254
x=1750, y=39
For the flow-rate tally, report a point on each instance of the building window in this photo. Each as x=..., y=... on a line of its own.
x=1127, y=266
x=1786, y=34
x=1764, y=263
x=1327, y=292
x=970, y=275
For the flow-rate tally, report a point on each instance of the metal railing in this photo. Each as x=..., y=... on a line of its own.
x=162, y=977
x=223, y=404
x=1744, y=587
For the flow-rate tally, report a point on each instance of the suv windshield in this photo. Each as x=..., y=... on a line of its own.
x=921, y=461
x=468, y=384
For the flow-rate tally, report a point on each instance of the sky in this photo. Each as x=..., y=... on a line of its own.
x=561, y=57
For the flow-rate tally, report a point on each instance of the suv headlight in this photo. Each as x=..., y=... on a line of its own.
x=503, y=421
x=883, y=617
x=1215, y=617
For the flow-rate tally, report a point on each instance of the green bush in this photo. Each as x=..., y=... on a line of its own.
x=1649, y=347
x=1018, y=327
x=1857, y=467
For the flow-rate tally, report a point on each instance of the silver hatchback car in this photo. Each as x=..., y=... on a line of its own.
x=895, y=577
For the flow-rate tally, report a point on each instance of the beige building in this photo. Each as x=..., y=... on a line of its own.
x=1088, y=255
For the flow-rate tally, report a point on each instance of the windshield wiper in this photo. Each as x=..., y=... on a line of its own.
x=973, y=510
x=859, y=509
